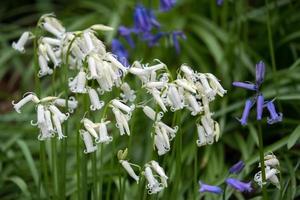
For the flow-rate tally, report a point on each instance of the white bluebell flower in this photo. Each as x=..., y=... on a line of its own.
x=88, y=141
x=127, y=166
x=96, y=104
x=19, y=45
x=103, y=134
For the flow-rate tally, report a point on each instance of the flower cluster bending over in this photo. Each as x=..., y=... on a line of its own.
x=94, y=71
x=258, y=99
x=147, y=29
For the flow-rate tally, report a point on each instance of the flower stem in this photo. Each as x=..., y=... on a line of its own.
x=95, y=177
x=262, y=161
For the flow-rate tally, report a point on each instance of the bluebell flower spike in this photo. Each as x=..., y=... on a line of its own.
x=166, y=5
x=260, y=72
x=259, y=106
x=248, y=86
x=239, y=185
x=274, y=115
x=237, y=167
x=209, y=188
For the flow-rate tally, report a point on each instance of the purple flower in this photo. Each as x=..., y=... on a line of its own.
x=239, y=185
x=219, y=2
x=153, y=39
x=175, y=35
x=274, y=116
x=118, y=49
x=144, y=20
x=260, y=72
x=247, y=108
x=166, y=5
x=209, y=188
x=259, y=106
x=126, y=33
x=248, y=86
x=237, y=167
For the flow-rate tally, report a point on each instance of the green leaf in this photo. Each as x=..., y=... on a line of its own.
x=293, y=137
x=21, y=184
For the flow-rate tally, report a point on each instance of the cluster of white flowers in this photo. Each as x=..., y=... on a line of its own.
x=271, y=171
x=49, y=117
x=97, y=130
x=98, y=71
x=154, y=185
x=191, y=90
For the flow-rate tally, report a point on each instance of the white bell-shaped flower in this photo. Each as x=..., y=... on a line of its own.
x=126, y=165
x=88, y=142
x=96, y=104
x=19, y=45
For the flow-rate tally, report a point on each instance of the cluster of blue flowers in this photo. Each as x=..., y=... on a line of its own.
x=232, y=182
x=147, y=29
x=258, y=99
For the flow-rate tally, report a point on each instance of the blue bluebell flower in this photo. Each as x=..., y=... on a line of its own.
x=144, y=19
x=166, y=5
x=248, y=86
x=248, y=105
x=259, y=106
x=219, y=2
x=237, y=167
x=239, y=185
x=119, y=50
x=126, y=33
x=153, y=39
x=209, y=188
x=258, y=98
x=274, y=115
x=175, y=36
x=260, y=73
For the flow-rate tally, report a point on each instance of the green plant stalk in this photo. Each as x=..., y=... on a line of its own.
x=95, y=177
x=196, y=173
x=54, y=167
x=262, y=161
x=84, y=161
x=100, y=173
x=78, y=164
x=42, y=153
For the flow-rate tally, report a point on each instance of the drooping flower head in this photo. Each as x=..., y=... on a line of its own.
x=166, y=5
x=209, y=188
x=239, y=185
x=237, y=168
x=258, y=98
x=144, y=19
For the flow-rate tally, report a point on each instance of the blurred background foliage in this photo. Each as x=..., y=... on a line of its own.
x=224, y=40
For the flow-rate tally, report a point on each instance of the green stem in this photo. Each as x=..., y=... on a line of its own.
x=44, y=172
x=42, y=154
x=78, y=163
x=262, y=161
x=196, y=173
x=95, y=177
x=100, y=173
x=54, y=167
